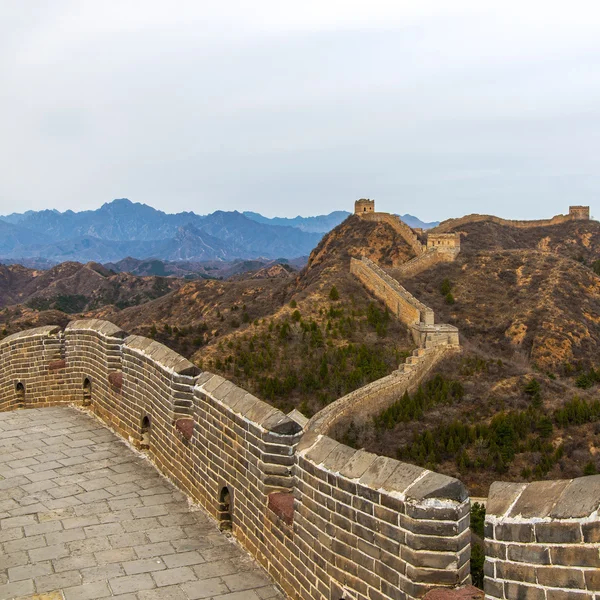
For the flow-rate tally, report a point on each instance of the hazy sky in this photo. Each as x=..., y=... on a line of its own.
x=433, y=108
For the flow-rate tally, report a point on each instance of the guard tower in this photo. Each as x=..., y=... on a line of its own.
x=580, y=213
x=363, y=206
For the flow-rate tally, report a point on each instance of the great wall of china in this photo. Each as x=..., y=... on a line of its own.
x=326, y=521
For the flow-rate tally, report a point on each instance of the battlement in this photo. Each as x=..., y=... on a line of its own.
x=444, y=241
x=364, y=206
x=326, y=521
x=576, y=213
x=579, y=212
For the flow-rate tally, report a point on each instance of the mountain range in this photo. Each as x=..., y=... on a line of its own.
x=122, y=228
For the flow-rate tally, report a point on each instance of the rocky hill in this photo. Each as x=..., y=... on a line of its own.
x=578, y=240
x=519, y=403
x=73, y=288
x=295, y=339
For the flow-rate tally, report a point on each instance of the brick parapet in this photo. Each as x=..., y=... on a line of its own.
x=410, y=311
x=543, y=540
x=93, y=352
x=579, y=213
x=399, y=300
x=361, y=526
x=377, y=528
x=32, y=361
x=360, y=405
x=411, y=238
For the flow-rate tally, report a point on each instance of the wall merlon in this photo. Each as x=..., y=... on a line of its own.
x=162, y=356
x=46, y=331
x=106, y=328
x=373, y=526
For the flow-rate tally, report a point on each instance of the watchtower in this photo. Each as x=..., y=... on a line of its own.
x=580, y=213
x=444, y=242
x=363, y=206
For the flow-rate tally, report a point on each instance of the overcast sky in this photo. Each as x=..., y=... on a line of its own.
x=433, y=108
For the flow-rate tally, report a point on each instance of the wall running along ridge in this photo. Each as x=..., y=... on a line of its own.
x=326, y=521
x=410, y=311
x=399, y=226
x=576, y=213
x=439, y=247
x=369, y=400
x=434, y=341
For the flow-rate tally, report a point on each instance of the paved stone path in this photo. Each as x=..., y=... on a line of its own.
x=82, y=517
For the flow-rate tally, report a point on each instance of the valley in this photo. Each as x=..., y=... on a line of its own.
x=518, y=403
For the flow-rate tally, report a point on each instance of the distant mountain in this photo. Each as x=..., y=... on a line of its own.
x=15, y=237
x=16, y=218
x=417, y=223
x=319, y=224
x=119, y=220
x=254, y=240
x=122, y=228
x=325, y=223
x=190, y=243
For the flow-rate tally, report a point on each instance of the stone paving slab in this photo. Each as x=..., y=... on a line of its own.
x=84, y=517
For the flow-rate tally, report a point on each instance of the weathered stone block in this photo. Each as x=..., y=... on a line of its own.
x=557, y=533
x=579, y=499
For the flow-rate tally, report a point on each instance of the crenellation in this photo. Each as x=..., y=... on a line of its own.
x=322, y=518
x=576, y=213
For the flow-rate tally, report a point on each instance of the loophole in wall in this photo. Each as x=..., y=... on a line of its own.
x=20, y=393
x=145, y=438
x=224, y=510
x=87, y=392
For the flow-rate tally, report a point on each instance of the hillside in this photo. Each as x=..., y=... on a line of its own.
x=72, y=287
x=291, y=340
x=520, y=402
x=578, y=240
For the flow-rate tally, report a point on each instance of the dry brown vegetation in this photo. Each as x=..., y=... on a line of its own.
x=526, y=302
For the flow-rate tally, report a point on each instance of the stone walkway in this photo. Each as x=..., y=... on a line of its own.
x=82, y=517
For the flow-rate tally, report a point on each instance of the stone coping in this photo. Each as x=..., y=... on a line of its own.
x=163, y=356
x=247, y=406
x=544, y=500
x=393, y=283
x=403, y=481
x=436, y=327
x=45, y=331
x=99, y=326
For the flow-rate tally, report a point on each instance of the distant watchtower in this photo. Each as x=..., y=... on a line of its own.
x=581, y=213
x=363, y=206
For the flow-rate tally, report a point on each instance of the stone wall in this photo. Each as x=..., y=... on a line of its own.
x=400, y=302
x=575, y=213
x=543, y=540
x=236, y=456
x=369, y=400
x=444, y=242
x=32, y=369
x=581, y=213
x=326, y=521
x=93, y=352
x=410, y=311
x=424, y=261
x=400, y=226
x=372, y=527
x=363, y=206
